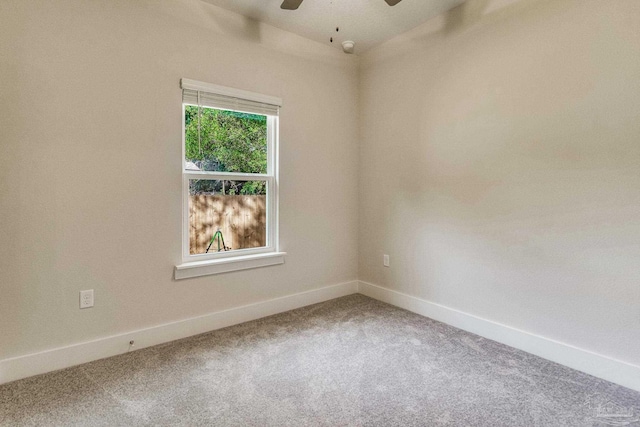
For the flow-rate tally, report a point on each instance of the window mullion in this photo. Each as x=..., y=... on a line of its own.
x=228, y=176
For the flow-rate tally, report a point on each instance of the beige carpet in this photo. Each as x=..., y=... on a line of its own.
x=352, y=361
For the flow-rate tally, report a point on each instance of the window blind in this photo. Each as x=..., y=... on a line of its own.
x=225, y=102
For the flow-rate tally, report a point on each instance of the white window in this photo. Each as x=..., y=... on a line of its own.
x=230, y=180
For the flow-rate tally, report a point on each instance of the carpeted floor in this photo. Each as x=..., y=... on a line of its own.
x=352, y=361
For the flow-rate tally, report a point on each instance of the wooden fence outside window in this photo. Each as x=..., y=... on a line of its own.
x=241, y=219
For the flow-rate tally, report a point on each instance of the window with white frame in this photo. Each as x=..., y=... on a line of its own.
x=229, y=170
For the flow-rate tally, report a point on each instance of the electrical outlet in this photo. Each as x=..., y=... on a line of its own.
x=385, y=260
x=86, y=299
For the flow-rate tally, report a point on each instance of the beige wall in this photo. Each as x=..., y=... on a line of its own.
x=90, y=146
x=500, y=167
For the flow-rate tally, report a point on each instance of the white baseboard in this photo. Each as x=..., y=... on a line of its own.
x=600, y=366
x=64, y=357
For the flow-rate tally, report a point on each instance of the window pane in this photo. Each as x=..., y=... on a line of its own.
x=237, y=209
x=225, y=141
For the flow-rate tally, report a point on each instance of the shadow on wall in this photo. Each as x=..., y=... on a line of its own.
x=448, y=25
x=211, y=18
x=464, y=15
x=243, y=28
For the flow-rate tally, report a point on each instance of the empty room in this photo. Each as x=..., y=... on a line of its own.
x=320, y=212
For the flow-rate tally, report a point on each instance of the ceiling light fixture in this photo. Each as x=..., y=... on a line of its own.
x=348, y=46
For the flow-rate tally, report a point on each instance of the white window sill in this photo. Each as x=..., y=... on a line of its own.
x=225, y=265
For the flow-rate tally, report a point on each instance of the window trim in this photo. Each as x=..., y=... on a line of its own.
x=225, y=265
x=240, y=259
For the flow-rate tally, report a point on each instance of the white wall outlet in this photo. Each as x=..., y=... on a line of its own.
x=86, y=299
x=385, y=260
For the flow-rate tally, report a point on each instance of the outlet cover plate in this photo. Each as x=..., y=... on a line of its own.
x=86, y=299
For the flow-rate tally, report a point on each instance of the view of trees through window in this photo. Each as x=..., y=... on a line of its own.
x=225, y=141
x=225, y=214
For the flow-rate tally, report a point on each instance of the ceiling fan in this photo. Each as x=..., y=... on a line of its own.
x=294, y=4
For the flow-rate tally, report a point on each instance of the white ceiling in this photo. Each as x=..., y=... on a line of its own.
x=367, y=22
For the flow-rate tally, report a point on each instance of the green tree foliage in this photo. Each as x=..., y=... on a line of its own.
x=229, y=142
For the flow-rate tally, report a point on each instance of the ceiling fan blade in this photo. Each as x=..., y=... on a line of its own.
x=392, y=2
x=290, y=4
